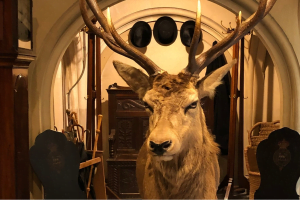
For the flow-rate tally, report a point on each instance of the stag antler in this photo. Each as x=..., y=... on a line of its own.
x=113, y=40
x=196, y=37
x=196, y=65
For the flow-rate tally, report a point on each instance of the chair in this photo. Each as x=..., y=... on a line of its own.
x=264, y=129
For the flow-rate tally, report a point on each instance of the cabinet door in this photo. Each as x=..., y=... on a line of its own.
x=122, y=178
x=130, y=134
x=125, y=135
x=131, y=124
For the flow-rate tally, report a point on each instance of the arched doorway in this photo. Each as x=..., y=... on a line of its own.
x=68, y=25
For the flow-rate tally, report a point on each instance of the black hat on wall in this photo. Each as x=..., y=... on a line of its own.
x=187, y=32
x=140, y=34
x=165, y=30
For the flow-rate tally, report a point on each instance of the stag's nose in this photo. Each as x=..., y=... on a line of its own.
x=159, y=149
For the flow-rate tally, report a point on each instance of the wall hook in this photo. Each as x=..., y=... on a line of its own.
x=228, y=30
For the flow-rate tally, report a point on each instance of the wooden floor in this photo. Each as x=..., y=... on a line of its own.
x=238, y=194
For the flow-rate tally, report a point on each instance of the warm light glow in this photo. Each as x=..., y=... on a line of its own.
x=198, y=16
x=108, y=16
x=240, y=17
x=199, y=9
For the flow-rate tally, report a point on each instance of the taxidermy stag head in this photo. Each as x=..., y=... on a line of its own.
x=179, y=156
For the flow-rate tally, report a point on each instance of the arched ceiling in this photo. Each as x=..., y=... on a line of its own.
x=70, y=22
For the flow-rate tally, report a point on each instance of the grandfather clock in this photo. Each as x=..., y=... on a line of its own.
x=16, y=53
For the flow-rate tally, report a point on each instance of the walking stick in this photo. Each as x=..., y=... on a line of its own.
x=94, y=153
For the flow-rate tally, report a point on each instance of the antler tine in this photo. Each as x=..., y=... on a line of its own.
x=207, y=57
x=196, y=69
x=204, y=59
x=195, y=40
x=99, y=15
x=149, y=65
x=110, y=31
x=108, y=39
x=269, y=6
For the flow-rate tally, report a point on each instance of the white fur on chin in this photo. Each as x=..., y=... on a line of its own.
x=165, y=158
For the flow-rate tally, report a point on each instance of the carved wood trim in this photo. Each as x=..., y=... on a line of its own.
x=125, y=133
x=130, y=105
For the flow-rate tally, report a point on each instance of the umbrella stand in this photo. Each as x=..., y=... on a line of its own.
x=94, y=153
x=94, y=161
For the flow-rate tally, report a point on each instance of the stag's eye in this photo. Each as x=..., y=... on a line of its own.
x=148, y=107
x=191, y=106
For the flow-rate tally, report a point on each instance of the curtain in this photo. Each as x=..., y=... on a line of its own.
x=68, y=94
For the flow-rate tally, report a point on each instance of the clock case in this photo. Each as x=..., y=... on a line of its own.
x=9, y=40
x=15, y=179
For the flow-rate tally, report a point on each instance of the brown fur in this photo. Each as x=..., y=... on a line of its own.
x=189, y=168
x=194, y=172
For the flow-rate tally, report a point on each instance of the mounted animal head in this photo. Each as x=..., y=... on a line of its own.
x=176, y=117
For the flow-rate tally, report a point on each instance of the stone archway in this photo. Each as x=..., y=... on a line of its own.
x=269, y=31
x=284, y=57
x=43, y=69
x=67, y=26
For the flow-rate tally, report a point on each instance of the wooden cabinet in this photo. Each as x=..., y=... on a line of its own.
x=128, y=122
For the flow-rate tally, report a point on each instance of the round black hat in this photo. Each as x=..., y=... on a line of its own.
x=187, y=32
x=140, y=34
x=165, y=30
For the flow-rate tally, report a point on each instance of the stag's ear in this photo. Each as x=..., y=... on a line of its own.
x=135, y=78
x=207, y=85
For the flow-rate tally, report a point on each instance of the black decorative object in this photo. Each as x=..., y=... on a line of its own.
x=278, y=159
x=187, y=32
x=165, y=30
x=140, y=34
x=56, y=163
x=221, y=104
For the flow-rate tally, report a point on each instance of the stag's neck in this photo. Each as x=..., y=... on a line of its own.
x=183, y=176
x=191, y=174
x=184, y=163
